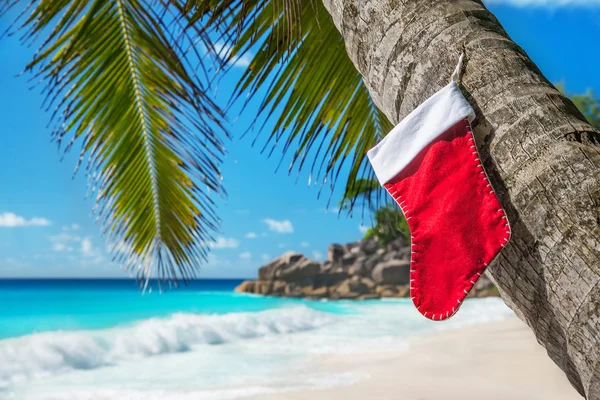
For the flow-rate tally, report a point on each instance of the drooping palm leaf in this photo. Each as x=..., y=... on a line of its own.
x=361, y=191
x=150, y=133
x=327, y=117
x=319, y=106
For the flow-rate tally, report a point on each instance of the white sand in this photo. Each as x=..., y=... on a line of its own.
x=496, y=361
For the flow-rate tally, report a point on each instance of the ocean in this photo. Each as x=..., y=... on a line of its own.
x=105, y=339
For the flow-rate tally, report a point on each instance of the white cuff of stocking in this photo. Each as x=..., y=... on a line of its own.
x=423, y=125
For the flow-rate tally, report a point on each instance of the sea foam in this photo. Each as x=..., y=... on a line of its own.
x=50, y=353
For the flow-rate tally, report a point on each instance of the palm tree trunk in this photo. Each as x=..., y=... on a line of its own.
x=539, y=151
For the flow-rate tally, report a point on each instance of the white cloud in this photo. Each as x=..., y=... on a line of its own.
x=73, y=227
x=58, y=247
x=64, y=242
x=317, y=255
x=304, y=244
x=223, y=51
x=265, y=257
x=11, y=220
x=213, y=260
x=284, y=226
x=225, y=243
x=547, y=3
x=87, y=249
x=251, y=235
x=246, y=255
x=68, y=243
x=363, y=229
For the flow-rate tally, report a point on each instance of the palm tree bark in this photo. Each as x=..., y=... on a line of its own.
x=539, y=151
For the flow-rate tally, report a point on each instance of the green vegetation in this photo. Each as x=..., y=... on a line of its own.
x=389, y=225
x=389, y=222
x=587, y=103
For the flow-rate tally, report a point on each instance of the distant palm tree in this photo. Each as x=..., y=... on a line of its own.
x=130, y=78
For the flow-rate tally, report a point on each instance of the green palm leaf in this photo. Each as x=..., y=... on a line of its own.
x=120, y=82
x=320, y=109
x=363, y=190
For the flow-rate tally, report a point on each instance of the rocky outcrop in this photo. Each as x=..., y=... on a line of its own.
x=359, y=270
x=395, y=272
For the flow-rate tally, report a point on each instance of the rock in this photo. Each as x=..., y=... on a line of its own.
x=355, y=270
x=264, y=287
x=371, y=262
x=292, y=290
x=246, y=287
x=351, y=289
x=404, y=253
x=278, y=288
x=353, y=247
x=397, y=244
x=403, y=291
x=335, y=253
x=331, y=278
x=359, y=270
x=356, y=286
x=370, y=296
x=304, y=282
x=483, y=283
x=319, y=292
x=291, y=258
x=269, y=271
x=386, y=290
x=491, y=292
x=393, y=290
x=392, y=255
x=369, y=246
x=388, y=293
x=299, y=271
x=370, y=284
x=392, y=272
x=364, y=265
x=348, y=259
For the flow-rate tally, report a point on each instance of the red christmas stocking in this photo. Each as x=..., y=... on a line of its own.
x=429, y=164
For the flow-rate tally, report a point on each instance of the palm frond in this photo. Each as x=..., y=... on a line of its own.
x=361, y=191
x=117, y=77
x=327, y=117
x=316, y=100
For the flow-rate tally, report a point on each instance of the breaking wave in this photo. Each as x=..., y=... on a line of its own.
x=50, y=353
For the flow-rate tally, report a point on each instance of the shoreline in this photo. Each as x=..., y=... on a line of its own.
x=491, y=361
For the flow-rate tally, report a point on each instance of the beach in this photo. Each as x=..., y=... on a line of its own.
x=491, y=361
x=207, y=342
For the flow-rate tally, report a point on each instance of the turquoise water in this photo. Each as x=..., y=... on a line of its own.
x=40, y=305
x=105, y=339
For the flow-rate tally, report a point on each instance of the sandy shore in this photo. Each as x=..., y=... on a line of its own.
x=496, y=361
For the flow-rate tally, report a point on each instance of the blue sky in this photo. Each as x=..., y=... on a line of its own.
x=46, y=226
